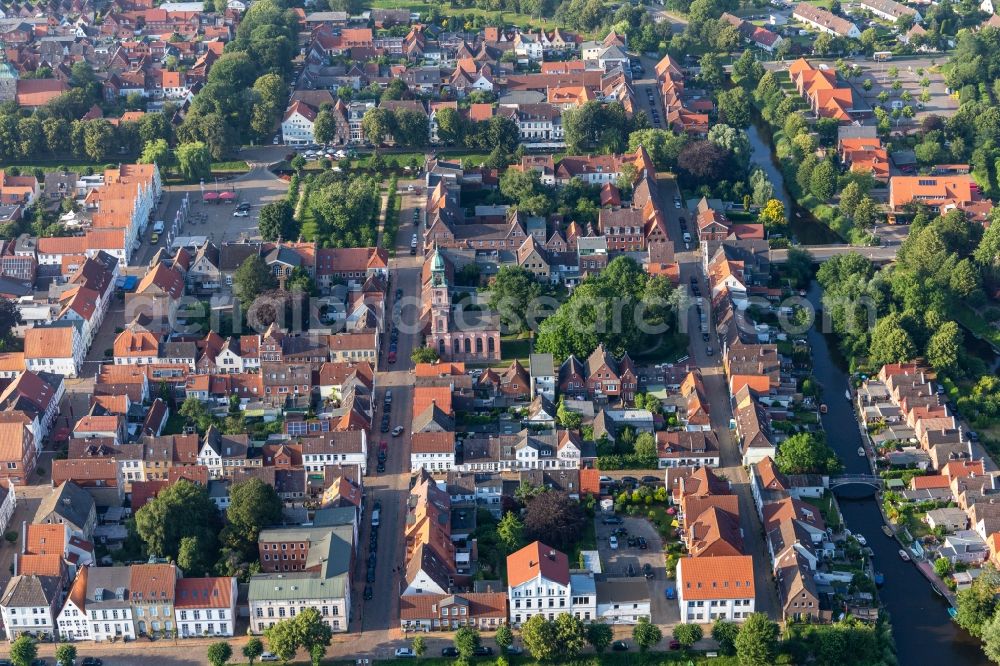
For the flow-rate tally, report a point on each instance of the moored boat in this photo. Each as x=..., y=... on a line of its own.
x=879, y=578
x=888, y=531
x=904, y=555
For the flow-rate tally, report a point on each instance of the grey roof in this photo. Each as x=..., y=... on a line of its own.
x=295, y=586
x=107, y=587
x=25, y=591
x=180, y=350
x=541, y=365
x=335, y=516
x=70, y=502
x=622, y=590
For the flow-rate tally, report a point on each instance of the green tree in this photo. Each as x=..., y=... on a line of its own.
x=191, y=557
x=991, y=638
x=504, y=637
x=734, y=108
x=600, y=636
x=645, y=450
x=253, y=649
x=942, y=566
x=510, y=531
x=194, y=161
x=219, y=653
x=798, y=267
x=712, y=74
x=569, y=636
x=646, y=634
x=277, y=221
x=823, y=181
x=978, y=604
x=866, y=212
x=23, y=650
x=377, y=124
x=194, y=411
x=466, y=641
x=451, y=126
x=891, y=342
x=253, y=505
x=282, y=639
x=181, y=510
x=806, y=453
x=511, y=295
x=316, y=654
x=424, y=355
x=252, y=279
x=325, y=127
x=944, y=347
x=850, y=197
x=724, y=633
x=538, y=635
x=662, y=146
x=66, y=654
x=157, y=152
x=410, y=128
x=757, y=641
x=99, y=139
x=568, y=419
x=418, y=645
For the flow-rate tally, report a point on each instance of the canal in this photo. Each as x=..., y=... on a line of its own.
x=805, y=228
x=923, y=631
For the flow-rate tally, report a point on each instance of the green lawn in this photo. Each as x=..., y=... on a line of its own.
x=670, y=348
x=828, y=508
x=175, y=424
x=973, y=321
x=520, y=20
x=515, y=347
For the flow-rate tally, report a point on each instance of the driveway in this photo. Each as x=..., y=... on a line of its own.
x=615, y=563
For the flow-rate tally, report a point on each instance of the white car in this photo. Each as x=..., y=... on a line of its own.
x=268, y=656
x=158, y=227
x=241, y=213
x=613, y=542
x=405, y=653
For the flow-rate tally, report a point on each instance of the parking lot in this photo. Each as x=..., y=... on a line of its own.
x=616, y=562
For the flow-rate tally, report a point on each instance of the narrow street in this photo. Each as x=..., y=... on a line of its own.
x=714, y=379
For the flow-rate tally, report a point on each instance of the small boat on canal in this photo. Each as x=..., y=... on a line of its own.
x=888, y=531
x=847, y=394
x=879, y=578
x=861, y=451
x=822, y=409
x=903, y=555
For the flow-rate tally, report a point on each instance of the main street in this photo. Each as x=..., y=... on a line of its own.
x=717, y=392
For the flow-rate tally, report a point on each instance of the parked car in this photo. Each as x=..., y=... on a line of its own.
x=619, y=646
x=613, y=520
x=613, y=542
x=633, y=542
x=392, y=357
x=675, y=645
x=630, y=481
x=241, y=212
x=449, y=652
x=405, y=653
x=397, y=431
x=91, y=661
x=368, y=593
x=513, y=649
x=268, y=656
x=642, y=543
x=483, y=651
x=647, y=570
x=670, y=593
x=380, y=467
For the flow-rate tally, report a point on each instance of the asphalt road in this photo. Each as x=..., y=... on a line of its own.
x=390, y=488
x=719, y=401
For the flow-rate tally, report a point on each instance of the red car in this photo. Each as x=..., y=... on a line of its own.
x=392, y=357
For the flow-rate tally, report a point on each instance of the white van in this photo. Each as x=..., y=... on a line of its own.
x=375, y=515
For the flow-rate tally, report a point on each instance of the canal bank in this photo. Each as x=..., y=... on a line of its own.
x=804, y=227
x=922, y=629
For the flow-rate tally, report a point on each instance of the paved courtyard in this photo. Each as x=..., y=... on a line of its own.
x=616, y=563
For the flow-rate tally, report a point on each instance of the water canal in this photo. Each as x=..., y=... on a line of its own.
x=923, y=631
